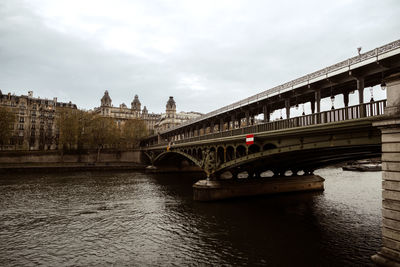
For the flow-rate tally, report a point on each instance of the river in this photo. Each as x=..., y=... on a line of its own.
x=138, y=219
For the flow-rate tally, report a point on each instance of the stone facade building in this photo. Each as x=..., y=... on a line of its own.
x=171, y=118
x=123, y=113
x=35, y=126
x=155, y=122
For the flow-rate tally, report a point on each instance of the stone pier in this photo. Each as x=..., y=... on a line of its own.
x=389, y=255
x=209, y=190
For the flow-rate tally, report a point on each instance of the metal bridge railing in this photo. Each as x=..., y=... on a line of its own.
x=371, y=109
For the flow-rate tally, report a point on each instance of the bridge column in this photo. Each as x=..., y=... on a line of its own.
x=224, y=153
x=232, y=122
x=389, y=255
x=360, y=88
x=287, y=106
x=346, y=98
x=266, y=113
x=312, y=102
x=247, y=115
x=346, y=103
x=318, y=99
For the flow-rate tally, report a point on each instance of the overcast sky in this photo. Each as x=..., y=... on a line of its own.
x=206, y=54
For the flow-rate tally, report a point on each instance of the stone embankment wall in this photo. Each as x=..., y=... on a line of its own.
x=44, y=159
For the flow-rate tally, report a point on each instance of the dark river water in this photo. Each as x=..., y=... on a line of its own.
x=137, y=219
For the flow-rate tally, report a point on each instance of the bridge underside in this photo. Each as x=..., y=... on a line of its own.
x=288, y=152
x=305, y=161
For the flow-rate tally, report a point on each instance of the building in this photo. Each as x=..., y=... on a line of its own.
x=35, y=126
x=171, y=118
x=155, y=122
x=122, y=113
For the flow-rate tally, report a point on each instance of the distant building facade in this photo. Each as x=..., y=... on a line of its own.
x=171, y=118
x=35, y=125
x=123, y=113
x=155, y=122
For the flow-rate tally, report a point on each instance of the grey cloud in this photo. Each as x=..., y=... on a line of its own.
x=229, y=57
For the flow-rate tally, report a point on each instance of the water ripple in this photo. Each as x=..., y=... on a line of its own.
x=137, y=219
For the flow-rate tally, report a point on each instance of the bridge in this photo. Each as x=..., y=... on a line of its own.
x=296, y=146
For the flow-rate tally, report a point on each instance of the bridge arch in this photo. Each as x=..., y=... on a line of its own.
x=240, y=151
x=199, y=153
x=172, y=153
x=230, y=153
x=220, y=154
x=254, y=148
x=268, y=146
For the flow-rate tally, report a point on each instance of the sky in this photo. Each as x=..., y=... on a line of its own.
x=207, y=54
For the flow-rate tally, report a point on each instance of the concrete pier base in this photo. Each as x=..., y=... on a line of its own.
x=205, y=190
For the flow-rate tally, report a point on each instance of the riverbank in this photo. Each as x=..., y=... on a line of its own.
x=50, y=161
x=69, y=166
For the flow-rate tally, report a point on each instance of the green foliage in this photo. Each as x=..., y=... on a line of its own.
x=7, y=120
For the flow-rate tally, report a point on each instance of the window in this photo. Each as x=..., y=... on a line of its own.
x=21, y=119
x=21, y=127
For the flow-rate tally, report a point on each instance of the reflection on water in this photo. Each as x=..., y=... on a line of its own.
x=132, y=218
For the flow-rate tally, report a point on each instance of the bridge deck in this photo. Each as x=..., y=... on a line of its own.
x=349, y=114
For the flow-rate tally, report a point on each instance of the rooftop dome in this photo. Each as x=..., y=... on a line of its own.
x=171, y=103
x=135, y=103
x=106, y=99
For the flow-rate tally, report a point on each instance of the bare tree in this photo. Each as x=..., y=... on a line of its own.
x=7, y=120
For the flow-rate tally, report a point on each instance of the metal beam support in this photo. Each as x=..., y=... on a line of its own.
x=287, y=106
x=232, y=123
x=346, y=98
x=266, y=113
x=247, y=118
x=360, y=88
x=318, y=99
